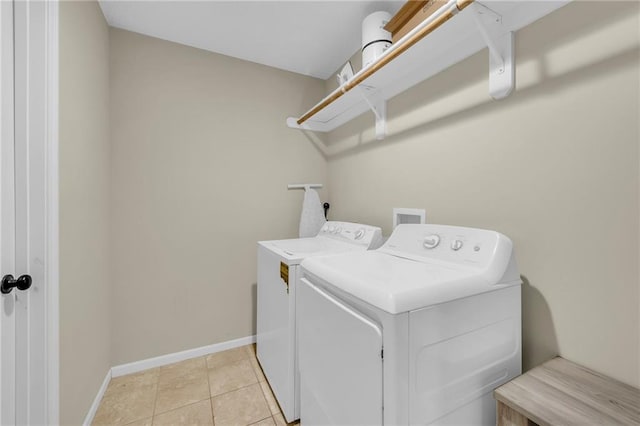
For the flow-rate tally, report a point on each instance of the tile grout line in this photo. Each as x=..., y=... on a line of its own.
x=257, y=421
x=257, y=382
x=206, y=367
x=246, y=358
x=248, y=354
x=121, y=422
x=155, y=399
x=191, y=403
x=182, y=406
x=177, y=408
x=241, y=387
x=264, y=396
x=237, y=389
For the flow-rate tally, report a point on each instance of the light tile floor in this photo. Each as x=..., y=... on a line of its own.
x=225, y=388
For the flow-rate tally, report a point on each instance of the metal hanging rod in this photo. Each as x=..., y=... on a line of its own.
x=425, y=28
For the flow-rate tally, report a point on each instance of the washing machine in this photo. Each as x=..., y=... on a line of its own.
x=278, y=274
x=419, y=331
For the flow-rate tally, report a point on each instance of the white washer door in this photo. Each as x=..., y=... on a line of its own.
x=340, y=358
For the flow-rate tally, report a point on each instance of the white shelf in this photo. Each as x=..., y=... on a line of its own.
x=457, y=39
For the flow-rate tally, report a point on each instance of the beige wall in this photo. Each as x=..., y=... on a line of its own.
x=200, y=161
x=554, y=166
x=85, y=328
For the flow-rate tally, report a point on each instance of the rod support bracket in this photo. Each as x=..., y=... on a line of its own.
x=378, y=107
x=501, y=51
x=502, y=75
x=381, y=119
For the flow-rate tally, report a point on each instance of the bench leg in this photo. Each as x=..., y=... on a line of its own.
x=507, y=416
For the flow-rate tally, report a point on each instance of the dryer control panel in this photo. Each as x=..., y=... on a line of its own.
x=451, y=244
x=356, y=233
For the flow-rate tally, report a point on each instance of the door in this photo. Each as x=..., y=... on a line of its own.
x=23, y=85
x=340, y=358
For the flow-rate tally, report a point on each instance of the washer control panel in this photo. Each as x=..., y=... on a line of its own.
x=452, y=244
x=357, y=233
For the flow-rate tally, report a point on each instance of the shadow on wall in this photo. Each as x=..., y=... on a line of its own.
x=545, y=65
x=307, y=100
x=536, y=321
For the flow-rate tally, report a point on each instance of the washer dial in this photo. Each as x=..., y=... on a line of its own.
x=431, y=241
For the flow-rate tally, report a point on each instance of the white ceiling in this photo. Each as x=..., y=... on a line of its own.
x=308, y=37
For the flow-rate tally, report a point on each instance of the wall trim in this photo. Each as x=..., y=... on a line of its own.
x=98, y=399
x=145, y=364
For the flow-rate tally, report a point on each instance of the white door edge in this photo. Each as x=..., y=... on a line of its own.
x=52, y=209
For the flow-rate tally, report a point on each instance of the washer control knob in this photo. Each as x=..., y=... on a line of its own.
x=332, y=228
x=360, y=233
x=325, y=228
x=431, y=241
x=456, y=245
x=338, y=230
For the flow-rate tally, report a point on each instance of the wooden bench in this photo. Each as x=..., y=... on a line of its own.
x=560, y=392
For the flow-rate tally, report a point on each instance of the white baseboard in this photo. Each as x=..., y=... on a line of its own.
x=145, y=364
x=96, y=402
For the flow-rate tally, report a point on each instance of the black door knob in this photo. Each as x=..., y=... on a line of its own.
x=8, y=283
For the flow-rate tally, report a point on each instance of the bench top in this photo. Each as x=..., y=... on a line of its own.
x=560, y=392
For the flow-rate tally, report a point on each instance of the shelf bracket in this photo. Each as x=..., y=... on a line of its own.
x=378, y=106
x=501, y=51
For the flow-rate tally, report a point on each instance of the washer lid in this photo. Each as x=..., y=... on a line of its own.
x=312, y=246
x=403, y=276
x=334, y=237
x=296, y=249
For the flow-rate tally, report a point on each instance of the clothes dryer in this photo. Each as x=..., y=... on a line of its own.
x=419, y=331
